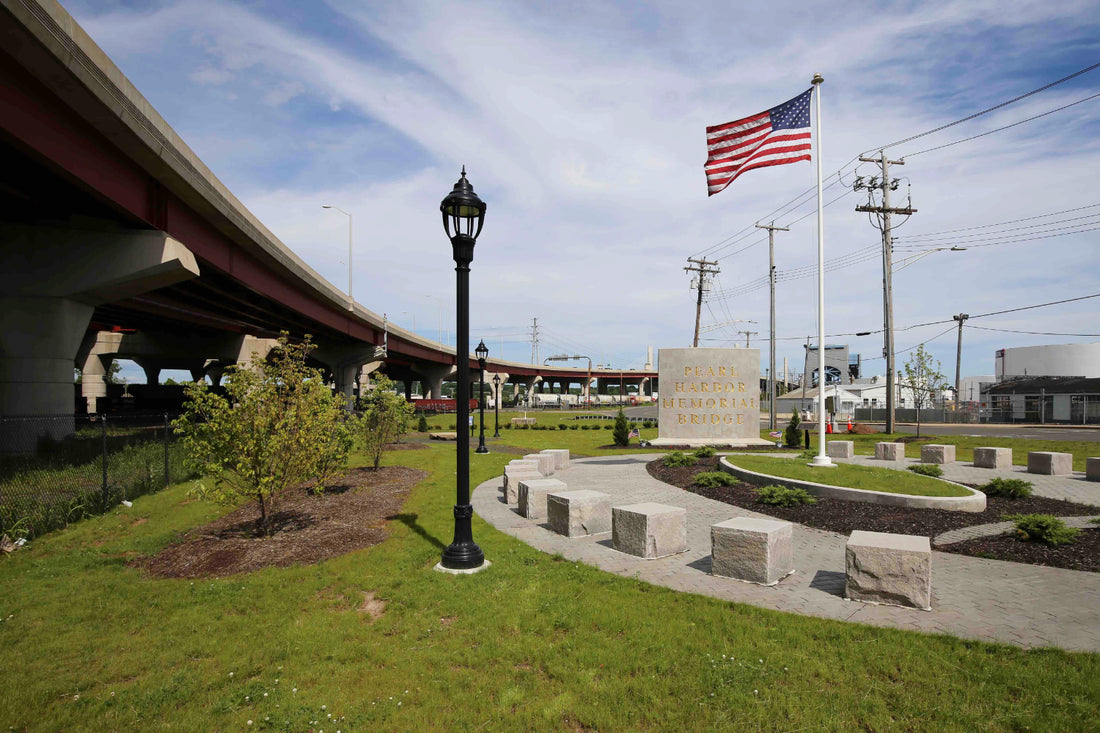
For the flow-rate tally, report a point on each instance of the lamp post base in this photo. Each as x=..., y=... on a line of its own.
x=481, y=449
x=441, y=568
x=822, y=462
x=462, y=555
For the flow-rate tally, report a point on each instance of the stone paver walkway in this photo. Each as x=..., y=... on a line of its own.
x=991, y=600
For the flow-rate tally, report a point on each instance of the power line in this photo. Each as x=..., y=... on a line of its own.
x=1001, y=129
x=1032, y=333
x=986, y=111
x=1010, y=221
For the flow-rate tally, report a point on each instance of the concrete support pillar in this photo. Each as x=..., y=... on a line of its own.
x=52, y=278
x=39, y=339
x=432, y=376
x=151, y=369
x=345, y=384
x=408, y=389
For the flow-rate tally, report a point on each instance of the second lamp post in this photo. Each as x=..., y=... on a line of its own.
x=463, y=214
x=496, y=405
x=482, y=353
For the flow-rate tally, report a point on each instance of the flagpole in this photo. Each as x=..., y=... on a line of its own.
x=821, y=459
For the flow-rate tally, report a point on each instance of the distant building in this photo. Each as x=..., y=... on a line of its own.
x=1070, y=400
x=1055, y=360
x=840, y=367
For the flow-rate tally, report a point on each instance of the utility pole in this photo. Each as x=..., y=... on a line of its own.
x=535, y=341
x=747, y=335
x=886, y=185
x=702, y=268
x=772, y=229
x=958, y=357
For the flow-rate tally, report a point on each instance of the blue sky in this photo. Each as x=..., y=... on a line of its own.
x=582, y=126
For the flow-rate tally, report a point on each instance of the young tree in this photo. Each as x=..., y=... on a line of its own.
x=281, y=425
x=792, y=436
x=923, y=379
x=621, y=432
x=384, y=417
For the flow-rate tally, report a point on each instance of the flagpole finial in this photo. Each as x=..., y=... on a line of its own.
x=818, y=79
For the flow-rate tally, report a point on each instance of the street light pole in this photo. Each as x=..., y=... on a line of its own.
x=496, y=405
x=351, y=300
x=440, y=303
x=464, y=212
x=482, y=353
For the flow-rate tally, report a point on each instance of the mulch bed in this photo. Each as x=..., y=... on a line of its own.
x=1082, y=554
x=838, y=515
x=351, y=514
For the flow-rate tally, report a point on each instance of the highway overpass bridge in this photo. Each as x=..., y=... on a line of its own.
x=116, y=241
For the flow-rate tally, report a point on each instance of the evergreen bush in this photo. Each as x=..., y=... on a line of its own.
x=792, y=436
x=927, y=469
x=713, y=479
x=1045, y=528
x=1010, y=488
x=783, y=496
x=678, y=458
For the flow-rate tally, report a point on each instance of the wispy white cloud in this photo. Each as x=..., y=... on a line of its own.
x=581, y=124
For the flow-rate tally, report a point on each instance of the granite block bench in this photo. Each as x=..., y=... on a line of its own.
x=1092, y=469
x=649, y=530
x=993, y=457
x=561, y=457
x=933, y=453
x=1049, y=463
x=578, y=513
x=755, y=550
x=532, y=496
x=889, y=451
x=546, y=462
x=895, y=569
x=840, y=449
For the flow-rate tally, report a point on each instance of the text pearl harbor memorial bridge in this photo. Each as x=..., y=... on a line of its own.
x=117, y=242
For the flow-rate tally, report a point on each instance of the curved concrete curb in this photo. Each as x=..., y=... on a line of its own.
x=973, y=503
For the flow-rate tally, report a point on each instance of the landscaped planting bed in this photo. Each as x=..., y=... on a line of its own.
x=838, y=515
x=1081, y=554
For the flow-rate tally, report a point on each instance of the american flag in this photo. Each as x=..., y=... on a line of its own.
x=774, y=137
x=634, y=434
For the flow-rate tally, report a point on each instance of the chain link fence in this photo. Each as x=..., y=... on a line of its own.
x=57, y=469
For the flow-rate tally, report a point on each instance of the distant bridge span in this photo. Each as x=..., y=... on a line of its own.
x=116, y=241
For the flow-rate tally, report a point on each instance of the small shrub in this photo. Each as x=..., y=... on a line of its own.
x=562, y=426
x=677, y=458
x=507, y=426
x=713, y=479
x=792, y=436
x=1010, y=488
x=927, y=469
x=783, y=496
x=608, y=427
x=422, y=425
x=574, y=427
x=647, y=423
x=1044, y=528
x=621, y=436
x=706, y=451
x=452, y=426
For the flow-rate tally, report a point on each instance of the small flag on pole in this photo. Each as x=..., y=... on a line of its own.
x=634, y=434
x=774, y=137
x=776, y=434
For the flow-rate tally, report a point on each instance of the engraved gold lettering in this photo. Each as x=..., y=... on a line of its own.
x=695, y=420
x=740, y=386
x=682, y=418
x=740, y=419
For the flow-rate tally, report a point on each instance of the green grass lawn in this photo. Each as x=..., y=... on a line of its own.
x=534, y=642
x=965, y=445
x=854, y=477
x=580, y=442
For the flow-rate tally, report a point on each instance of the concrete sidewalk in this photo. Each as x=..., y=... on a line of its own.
x=991, y=600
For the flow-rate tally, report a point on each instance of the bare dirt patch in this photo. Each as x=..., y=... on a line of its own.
x=372, y=607
x=351, y=514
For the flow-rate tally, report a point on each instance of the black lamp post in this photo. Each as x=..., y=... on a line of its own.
x=463, y=212
x=482, y=353
x=496, y=405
